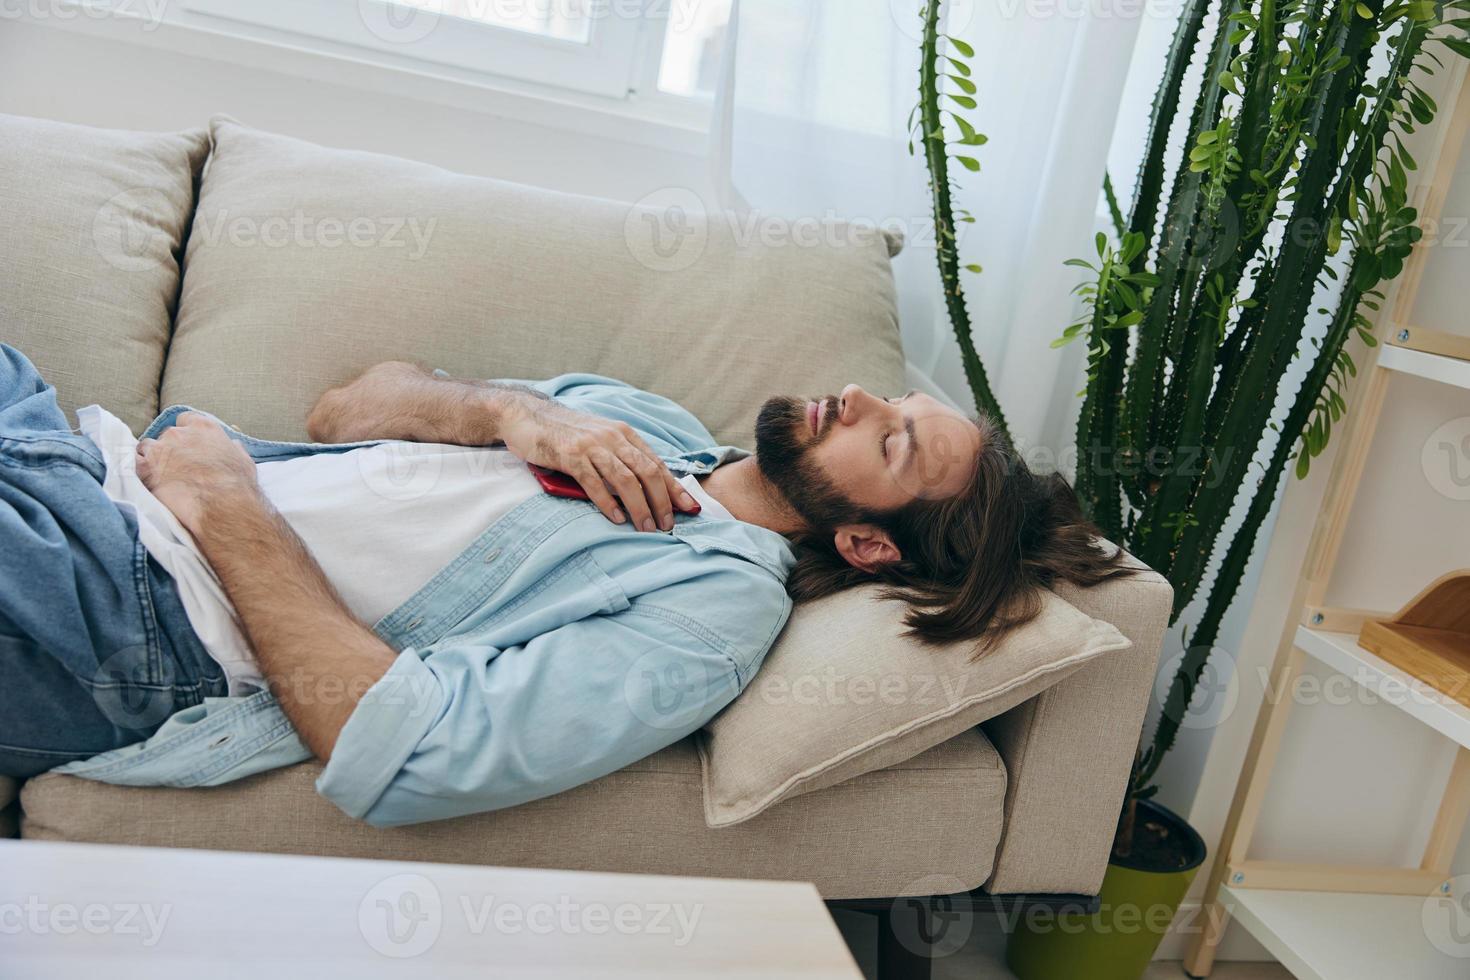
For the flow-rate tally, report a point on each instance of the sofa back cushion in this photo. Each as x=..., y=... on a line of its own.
x=843, y=692
x=307, y=265
x=93, y=229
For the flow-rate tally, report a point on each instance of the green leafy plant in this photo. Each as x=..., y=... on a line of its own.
x=937, y=125
x=1292, y=186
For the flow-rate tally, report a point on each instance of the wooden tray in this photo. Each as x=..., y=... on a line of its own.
x=1429, y=638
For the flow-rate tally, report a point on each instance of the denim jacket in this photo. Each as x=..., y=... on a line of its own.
x=557, y=648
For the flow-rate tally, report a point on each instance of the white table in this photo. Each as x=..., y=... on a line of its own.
x=112, y=913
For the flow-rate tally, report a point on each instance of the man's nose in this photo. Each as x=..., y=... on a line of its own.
x=851, y=404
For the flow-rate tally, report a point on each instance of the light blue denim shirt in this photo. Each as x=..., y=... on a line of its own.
x=557, y=648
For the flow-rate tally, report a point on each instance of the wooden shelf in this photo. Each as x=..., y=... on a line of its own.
x=1338, y=936
x=1435, y=367
x=1434, y=708
x=1338, y=921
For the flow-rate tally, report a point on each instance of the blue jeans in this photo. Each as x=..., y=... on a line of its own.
x=96, y=651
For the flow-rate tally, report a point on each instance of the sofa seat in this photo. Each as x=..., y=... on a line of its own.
x=892, y=832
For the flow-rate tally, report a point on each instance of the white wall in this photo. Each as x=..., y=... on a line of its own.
x=82, y=73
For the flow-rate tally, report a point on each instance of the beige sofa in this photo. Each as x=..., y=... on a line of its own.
x=244, y=273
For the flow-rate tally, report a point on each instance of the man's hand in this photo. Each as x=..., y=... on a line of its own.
x=606, y=457
x=192, y=464
x=316, y=657
x=398, y=400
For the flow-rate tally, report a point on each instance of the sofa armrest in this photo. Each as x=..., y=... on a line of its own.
x=1068, y=751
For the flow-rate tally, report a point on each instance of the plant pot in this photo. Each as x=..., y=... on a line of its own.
x=1136, y=905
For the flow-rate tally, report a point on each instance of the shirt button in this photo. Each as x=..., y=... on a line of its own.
x=415, y=623
x=493, y=554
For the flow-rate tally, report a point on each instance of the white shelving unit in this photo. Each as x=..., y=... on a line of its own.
x=1342, y=936
x=1345, y=921
x=1435, y=367
x=1341, y=652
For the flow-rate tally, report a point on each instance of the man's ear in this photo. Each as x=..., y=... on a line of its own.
x=866, y=547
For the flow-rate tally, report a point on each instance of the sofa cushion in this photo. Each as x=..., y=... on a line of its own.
x=94, y=224
x=843, y=692
x=307, y=265
x=884, y=834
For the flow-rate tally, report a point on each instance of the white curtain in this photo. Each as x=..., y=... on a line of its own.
x=811, y=122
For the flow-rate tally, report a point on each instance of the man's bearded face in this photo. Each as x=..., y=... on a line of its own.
x=784, y=451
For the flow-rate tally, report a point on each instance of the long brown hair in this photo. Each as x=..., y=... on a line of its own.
x=973, y=564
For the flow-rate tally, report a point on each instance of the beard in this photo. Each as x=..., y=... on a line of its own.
x=783, y=451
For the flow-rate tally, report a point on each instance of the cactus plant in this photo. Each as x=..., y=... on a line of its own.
x=945, y=88
x=1292, y=186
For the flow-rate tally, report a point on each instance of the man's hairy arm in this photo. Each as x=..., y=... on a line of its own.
x=397, y=400
x=317, y=658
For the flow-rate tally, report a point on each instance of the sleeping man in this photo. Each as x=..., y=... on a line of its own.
x=406, y=600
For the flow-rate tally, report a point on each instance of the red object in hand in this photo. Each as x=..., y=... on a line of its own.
x=557, y=484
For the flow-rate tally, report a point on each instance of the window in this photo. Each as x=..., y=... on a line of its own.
x=567, y=21
x=660, y=50
x=693, y=43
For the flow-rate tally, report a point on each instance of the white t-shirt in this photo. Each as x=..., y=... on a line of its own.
x=381, y=521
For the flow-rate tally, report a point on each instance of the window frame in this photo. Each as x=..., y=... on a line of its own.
x=605, y=65
x=639, y=116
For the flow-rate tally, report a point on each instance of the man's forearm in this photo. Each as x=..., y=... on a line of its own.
x=397, y=400
x=317, y=658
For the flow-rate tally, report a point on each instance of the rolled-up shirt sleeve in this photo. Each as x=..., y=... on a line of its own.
x=655, y=417
x=466, y=727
